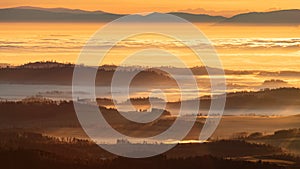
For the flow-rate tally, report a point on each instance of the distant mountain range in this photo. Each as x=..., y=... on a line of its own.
x=274, y=17
x=35, y=14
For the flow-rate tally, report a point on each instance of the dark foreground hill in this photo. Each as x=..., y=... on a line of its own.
x=22, y=150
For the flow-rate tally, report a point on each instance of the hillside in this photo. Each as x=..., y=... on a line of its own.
x=263, y=99
x=62, y=74
x=38, y=151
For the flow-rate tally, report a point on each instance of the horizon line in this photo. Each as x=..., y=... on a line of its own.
x=178, y=11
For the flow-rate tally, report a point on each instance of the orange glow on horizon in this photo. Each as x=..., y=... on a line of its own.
x=220, y=7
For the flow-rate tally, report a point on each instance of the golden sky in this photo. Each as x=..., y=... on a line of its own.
x=216, y=7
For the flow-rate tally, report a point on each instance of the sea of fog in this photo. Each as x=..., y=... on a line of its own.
x=17, y=92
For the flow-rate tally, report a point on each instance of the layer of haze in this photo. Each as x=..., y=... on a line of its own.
x=239, y=47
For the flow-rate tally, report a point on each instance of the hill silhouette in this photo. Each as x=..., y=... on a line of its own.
x=36, y=14
x=52, y=15
x=62, y=74
x=273, y=17
x=33, y=150
x=263, y=99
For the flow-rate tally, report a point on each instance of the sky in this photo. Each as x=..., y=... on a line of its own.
x=213, y=7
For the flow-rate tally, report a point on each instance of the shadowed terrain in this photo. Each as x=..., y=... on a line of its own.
x=33, y=150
